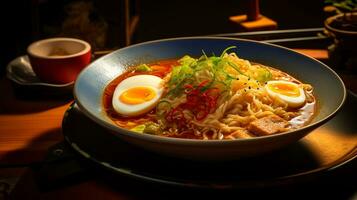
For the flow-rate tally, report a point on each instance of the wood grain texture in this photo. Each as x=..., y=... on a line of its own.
x=28, y=127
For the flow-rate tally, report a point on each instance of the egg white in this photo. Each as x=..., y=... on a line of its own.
x=150, y=81
x=293, y=102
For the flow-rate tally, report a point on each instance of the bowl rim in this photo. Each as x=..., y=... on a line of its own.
x=329, y=20
x=170, y=140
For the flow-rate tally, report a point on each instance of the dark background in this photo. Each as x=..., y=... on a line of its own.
x=23, y=23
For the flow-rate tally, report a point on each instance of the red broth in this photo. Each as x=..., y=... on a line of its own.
x=160, y=69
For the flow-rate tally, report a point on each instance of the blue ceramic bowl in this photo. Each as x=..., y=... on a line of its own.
x=328, y=89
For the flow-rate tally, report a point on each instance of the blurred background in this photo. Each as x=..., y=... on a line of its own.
x=101, y=22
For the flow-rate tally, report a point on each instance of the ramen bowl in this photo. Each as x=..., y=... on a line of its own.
x=329, y=91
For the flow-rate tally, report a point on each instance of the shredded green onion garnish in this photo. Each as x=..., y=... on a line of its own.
x=200, y=83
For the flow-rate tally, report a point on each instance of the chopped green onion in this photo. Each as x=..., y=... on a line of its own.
x=187, y=60
x=234, y=66
x=204, y=54
x=139, y=128
x=152, y=128
x=163, y=107
x=143, y=68
x=227, y=49
x=264, y=75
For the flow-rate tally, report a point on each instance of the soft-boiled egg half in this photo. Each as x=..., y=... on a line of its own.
x=289, y=92
x=137, y=94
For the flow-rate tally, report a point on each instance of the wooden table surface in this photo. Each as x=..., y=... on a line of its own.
x=28, y=127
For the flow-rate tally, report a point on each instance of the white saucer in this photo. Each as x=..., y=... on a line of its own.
x=20, y=72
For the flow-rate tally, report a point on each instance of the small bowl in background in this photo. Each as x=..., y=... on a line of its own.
x=59, y=60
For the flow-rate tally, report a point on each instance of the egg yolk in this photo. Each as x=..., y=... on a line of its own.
x=137, y=95
x=285, y=89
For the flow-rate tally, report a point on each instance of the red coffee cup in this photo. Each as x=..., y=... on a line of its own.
x=59, y=60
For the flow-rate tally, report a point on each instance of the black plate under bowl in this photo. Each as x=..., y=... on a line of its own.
x=326, y=148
